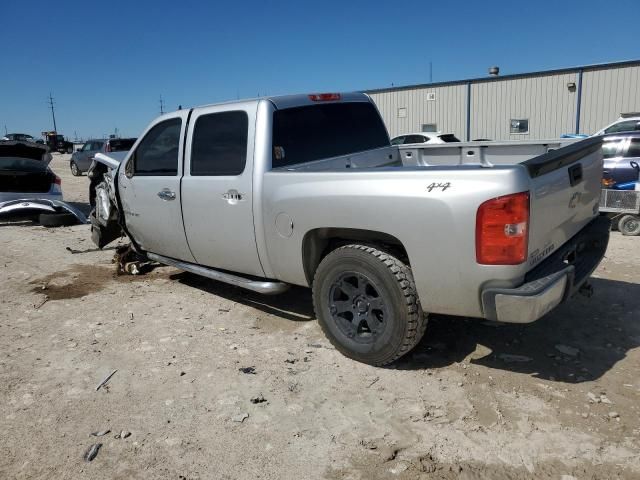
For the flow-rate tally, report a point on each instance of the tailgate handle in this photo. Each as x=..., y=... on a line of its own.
x=575, y=174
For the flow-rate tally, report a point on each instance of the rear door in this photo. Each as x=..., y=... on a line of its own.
x=149, y=188
x=217, y=188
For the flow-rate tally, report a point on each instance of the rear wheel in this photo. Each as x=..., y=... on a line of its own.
x=366, y=303
x=629, y=225
x=57, y=219
x=75, y=171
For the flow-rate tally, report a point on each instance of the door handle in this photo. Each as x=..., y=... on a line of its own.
x=166, y=194
x=233, y=196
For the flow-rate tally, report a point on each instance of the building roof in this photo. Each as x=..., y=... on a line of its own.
x=596, y=66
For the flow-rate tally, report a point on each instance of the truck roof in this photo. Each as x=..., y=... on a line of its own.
x=298, y=100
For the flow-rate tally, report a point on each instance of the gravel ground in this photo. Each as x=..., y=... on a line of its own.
x=473, y=400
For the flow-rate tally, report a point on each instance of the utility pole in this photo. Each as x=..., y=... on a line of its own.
x=53, y=113
x=161, y=105
x=5, y=130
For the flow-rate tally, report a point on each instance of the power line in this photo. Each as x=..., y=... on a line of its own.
x=53, y=113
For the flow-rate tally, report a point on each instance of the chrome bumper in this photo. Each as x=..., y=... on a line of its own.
x=553, y=281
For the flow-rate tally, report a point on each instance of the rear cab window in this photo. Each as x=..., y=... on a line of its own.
x=315, y=132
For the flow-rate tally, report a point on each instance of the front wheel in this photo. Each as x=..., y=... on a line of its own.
x=629, y=225
x=367, y=305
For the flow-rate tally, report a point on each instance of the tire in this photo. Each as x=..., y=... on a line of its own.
x=366, y=303
x=57, y=219
x=629, y=225
x=75, y=171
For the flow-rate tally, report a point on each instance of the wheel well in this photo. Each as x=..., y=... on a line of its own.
x=318, y=243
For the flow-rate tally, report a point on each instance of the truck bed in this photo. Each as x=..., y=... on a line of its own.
x=432, y=211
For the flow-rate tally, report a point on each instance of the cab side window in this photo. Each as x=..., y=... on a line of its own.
x=157, y=153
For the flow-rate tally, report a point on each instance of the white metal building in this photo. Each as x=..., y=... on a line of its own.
x=535, y=105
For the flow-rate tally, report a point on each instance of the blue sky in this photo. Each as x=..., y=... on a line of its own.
x=107, y=63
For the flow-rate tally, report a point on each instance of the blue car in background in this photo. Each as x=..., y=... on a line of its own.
x=621, y=154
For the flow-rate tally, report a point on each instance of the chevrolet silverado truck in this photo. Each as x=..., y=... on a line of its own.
x=307, y=190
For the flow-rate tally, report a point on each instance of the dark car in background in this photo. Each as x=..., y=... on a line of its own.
x=621, y=154
x=57, y=142
x=21, y=137
x=81, y=160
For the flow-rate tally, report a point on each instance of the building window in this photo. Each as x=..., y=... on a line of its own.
x=429, y=127
x=519, y=126
x=402, y=113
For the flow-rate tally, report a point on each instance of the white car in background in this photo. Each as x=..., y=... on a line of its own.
x=424, y=137
x=626, y=123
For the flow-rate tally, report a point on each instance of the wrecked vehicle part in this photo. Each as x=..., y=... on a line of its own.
x=107, y=224
x=38, y=205
x=29, y=188
x=104, y=218
x=130, y=262
x=25, y=174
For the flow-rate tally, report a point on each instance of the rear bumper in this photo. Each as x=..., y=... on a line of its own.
x=556, y=279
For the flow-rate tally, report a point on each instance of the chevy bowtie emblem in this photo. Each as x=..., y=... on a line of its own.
x=575, y=198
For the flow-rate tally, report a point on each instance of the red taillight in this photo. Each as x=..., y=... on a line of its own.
x=107, y=148
x=57, y=180
x=324, y=97
x=502, y=230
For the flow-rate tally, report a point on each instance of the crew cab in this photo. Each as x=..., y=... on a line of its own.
x=307, y=190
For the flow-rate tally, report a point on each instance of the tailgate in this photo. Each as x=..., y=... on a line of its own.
x=565, y=193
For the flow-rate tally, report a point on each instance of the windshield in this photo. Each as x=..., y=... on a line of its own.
x=15, y=164
x=314, y=132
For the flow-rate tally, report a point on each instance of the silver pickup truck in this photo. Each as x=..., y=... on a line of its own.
x=307, y=190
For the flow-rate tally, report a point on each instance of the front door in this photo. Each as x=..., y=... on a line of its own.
x=149, y=187
x=217, y=189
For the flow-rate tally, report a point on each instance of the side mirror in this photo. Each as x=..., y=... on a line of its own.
x=635, y=165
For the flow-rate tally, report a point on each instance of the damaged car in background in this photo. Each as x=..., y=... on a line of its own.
x=30, y=189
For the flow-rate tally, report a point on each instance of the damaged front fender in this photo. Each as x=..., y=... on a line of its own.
x=105, y=225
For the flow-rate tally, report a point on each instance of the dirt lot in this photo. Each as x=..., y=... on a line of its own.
x=566, y=406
